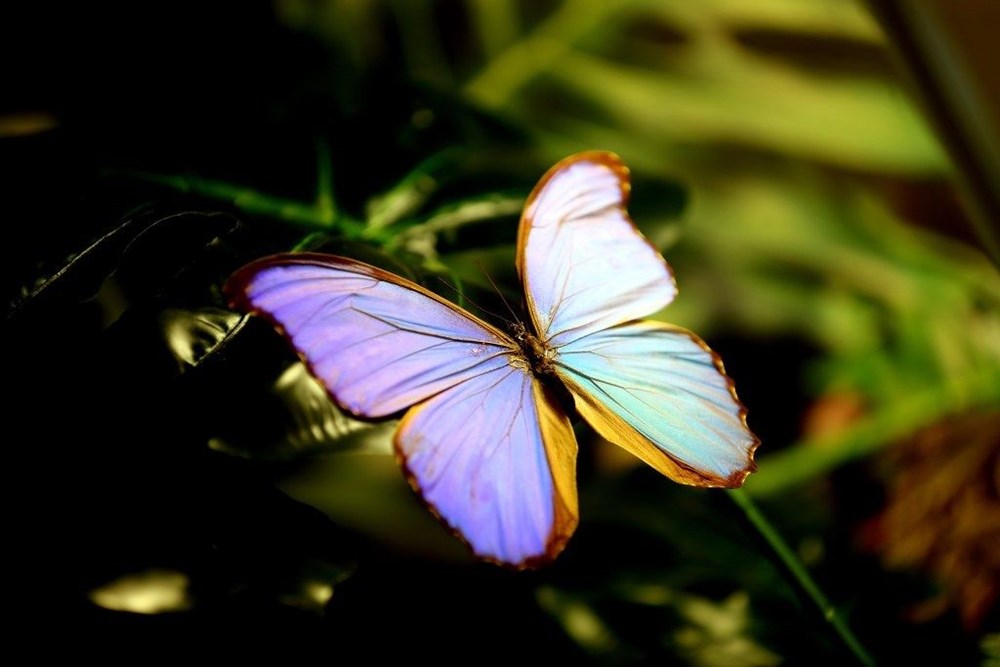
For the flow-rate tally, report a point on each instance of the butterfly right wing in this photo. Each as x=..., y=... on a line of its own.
x=659, y=392
x=377, y=342
x=589, y=275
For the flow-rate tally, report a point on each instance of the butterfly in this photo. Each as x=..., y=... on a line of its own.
x=485, y=438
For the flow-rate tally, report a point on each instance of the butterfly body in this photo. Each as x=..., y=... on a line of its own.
x=486, y=439
x=535, y=354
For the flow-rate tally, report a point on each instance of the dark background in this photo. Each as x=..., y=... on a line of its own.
x=161, y=449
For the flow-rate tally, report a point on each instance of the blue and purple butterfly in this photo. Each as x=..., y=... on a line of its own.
x=484, y=438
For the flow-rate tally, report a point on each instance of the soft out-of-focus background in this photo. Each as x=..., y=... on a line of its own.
x=177, y=476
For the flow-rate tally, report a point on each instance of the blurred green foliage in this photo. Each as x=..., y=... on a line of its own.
x=777, y=162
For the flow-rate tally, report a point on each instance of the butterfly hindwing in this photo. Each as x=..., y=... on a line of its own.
x=495, y=458
x=661, y=393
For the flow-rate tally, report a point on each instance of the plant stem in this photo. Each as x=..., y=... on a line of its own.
x=314, y=217
x=454, y=216
x=325, y=203
x=800, y=574
x=497, y=23
x=948, y=61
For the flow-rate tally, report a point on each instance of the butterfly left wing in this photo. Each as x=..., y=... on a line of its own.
x=484, y=443
x=588, y=275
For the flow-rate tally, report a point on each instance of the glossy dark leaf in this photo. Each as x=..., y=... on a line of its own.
x=193, y=335
x=83, y=272
x=295, y=417
x=140, y=256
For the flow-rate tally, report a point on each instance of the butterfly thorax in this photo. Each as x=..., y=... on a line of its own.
x=535, y=354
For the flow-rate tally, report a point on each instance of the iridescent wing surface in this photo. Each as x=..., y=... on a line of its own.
x=589, y=275
x=483, y=442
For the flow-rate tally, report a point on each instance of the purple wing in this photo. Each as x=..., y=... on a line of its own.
x=377, y=342
x=495, y=458
x=485, y=443
x=584, y=265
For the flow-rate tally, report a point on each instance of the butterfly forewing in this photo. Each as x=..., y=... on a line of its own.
x=377, y=342
x=584, y=265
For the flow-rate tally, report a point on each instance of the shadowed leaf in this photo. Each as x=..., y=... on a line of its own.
x=295, y=418
x=370, y=495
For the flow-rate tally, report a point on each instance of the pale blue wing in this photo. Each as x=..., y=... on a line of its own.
x=584, y=265
x=662, y=394
x=377, y=342
x=495, y=458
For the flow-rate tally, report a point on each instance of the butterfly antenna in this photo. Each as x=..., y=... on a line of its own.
x=466, y=297
x=500, y=294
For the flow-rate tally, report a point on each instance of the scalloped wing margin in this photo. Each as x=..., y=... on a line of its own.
x=659, y=392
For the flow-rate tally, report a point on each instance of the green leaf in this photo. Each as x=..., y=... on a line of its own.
x=714, y=84
x=860, y=124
